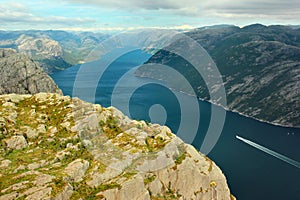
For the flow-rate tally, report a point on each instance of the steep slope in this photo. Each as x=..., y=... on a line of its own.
x=47, y=52
x=260, y=67
x=53, y=50
x=21, y=75
x=55, y=146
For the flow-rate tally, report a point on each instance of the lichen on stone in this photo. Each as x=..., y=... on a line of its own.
x=56, y=147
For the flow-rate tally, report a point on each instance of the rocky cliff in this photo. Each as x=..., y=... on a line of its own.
x=21, y=75
x=55, y=147
x=53, y=50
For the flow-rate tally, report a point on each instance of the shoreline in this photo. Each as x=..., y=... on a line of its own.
x=222, y=106
x=238, y=112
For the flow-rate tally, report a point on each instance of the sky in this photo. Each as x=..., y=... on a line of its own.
x=114, y=15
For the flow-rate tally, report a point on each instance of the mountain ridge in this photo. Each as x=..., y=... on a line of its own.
x=259, y=66
x=53, y=50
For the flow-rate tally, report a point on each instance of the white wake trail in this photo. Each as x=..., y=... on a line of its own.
x=270, y=152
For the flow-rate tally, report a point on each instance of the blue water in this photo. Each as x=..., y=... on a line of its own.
x=251, y=174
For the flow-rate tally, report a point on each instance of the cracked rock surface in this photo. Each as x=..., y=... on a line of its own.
x=79, y=150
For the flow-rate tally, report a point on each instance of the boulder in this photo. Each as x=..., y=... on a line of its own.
x=16, y=142
x=65, y=194
x=77, y=169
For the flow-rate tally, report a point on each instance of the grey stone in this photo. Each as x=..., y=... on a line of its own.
x=21, y=75
x=53, y=130
x=10, y=196
x=5, y=163
x=77, y=169
x=61, y=155
x=87, y=143
x=65, y=194
x=41, y=128
x=32, y=166
x=15, y=187
x=16, y=142
x=31, y=133
x=69, y=145
x=43, y=193
x=43, y=179
x=126, y=192
x=21, y=167
x=155, y=187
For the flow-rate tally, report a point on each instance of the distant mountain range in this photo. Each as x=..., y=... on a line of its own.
x=53, y=50
x=260, y=67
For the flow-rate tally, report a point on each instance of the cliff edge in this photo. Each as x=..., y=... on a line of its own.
x=21, y=75
x=55, y=147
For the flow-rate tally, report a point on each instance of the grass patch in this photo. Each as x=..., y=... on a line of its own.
x=110, y=128
x=179, y=159
x=155, y=144
x=149, y=179
x=128, y=175
x=86, y=192
x=181, y=156
x=58, y=186
x=55, y=109
x=210, y=163
x=10, y=179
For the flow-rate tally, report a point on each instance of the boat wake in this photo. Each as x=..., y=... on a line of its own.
x=270, y=152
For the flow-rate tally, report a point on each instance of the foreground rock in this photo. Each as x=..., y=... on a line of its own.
x=87, y=151
x=21, y=75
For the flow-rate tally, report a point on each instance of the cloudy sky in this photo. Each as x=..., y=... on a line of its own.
x=109, y=15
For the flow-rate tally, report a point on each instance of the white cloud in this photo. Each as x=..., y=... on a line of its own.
x=114, y=15
x=14, y=13
x=255, y=9
x=133, y=4
x=16, y=6
x=117, y=29
x=252, y=6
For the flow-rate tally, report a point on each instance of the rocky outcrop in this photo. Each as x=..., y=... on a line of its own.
x=16, y=142
x=87, y=151
x=76, y=169
x=20, y=74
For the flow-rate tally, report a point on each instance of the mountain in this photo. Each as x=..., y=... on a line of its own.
x=295, y=26
x=56, y=147
x=20, y=74
x=77, y=45
x=53, y=50
x=260, y=67
x=47, y=52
